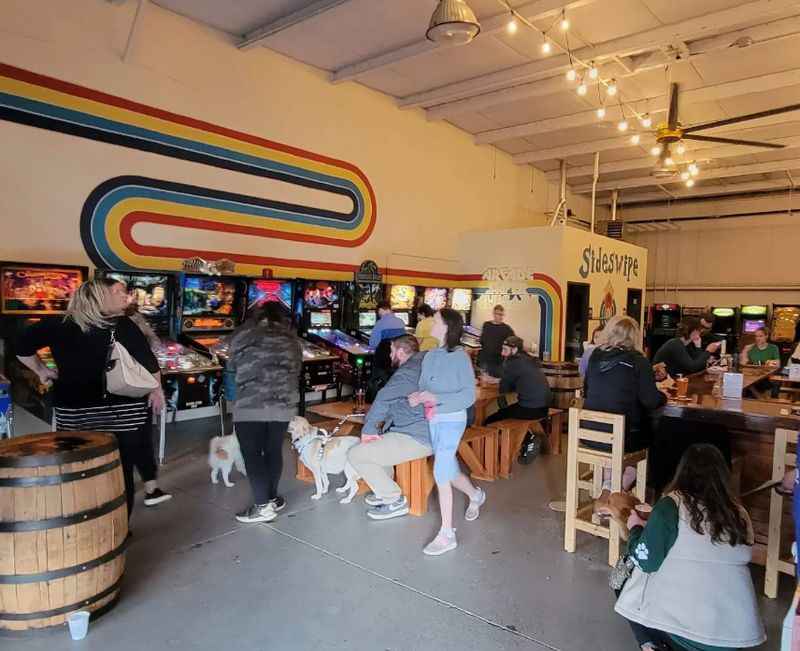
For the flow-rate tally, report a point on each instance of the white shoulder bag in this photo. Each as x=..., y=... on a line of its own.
x=124, y=375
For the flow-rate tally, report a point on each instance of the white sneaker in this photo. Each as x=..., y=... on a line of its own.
x=474, y=508
x=257, y=513
x=442, y=544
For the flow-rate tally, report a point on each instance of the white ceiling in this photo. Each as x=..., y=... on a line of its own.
x=501, y=80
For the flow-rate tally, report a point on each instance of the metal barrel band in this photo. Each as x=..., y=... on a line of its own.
x=54, y=480
x=44, y=614
x=57, y=523
x=35, y=461
x=17, y=579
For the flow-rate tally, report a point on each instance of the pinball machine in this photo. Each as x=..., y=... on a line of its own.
x=726, y=326
x=435, y=297
x=461, y=302
x=367, y=298
x=403, y=301
x=29, y=293
x=785, y=329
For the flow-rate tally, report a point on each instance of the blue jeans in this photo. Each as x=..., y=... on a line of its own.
x=445, y=437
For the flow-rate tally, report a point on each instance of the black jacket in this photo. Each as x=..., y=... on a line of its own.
x=678, y=360
x=622, y=382
x=523, y=374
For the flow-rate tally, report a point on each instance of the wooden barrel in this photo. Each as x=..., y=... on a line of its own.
x=63, y=527
x=564, y=379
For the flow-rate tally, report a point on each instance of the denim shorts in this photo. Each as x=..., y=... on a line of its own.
x=445, y=437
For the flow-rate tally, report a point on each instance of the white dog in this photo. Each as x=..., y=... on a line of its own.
x=223, y=455
x=322, y=455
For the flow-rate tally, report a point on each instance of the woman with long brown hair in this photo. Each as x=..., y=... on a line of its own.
x=691, y=588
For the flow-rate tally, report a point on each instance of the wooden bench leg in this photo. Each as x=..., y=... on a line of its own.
x=572, y=484
x=505, y=453
x=303, y=473
x=554, y=433
x=476, y=468
x=416, y=481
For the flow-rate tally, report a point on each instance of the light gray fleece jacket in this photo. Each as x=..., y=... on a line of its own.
x=449, y=376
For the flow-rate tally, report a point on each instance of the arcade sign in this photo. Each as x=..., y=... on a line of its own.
x=368, y=272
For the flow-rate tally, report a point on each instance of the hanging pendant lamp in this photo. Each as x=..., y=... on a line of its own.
x=453, y=23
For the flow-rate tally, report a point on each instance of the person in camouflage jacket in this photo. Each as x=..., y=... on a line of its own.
x=266, y=359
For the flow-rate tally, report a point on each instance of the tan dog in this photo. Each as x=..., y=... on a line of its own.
x=618, y=506
x=323, y=455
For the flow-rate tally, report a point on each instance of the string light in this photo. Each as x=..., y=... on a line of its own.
x=582, y=88
x=646, y=121
x=594, y=73
x=635, y=138
x=512, y=26
x=656, y=150
x=572, y=75
x=693, y=169
x=681, y=148
x=690, y=183
x=622, y=125
x=564, y=24
x=668, y=161
x=685, y=176
x=611, y=88
x=546, y=47
x=601, y=112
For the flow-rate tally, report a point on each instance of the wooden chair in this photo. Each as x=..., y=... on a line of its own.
x=616, y=460
x=478, y=449
x=782, y=460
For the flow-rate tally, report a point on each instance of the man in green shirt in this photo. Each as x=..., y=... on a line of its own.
x=761, y=352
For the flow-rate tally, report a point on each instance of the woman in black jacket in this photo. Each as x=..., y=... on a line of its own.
x=620, y=380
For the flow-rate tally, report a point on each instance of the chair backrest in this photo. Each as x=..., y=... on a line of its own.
x=782, y=457
x=596, y=426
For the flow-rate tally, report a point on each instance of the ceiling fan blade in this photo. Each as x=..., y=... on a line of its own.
x=733, y=141
x=672, y=116
x=743, y=118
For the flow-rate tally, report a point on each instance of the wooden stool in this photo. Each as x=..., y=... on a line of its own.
x=416, y=481
x=478, y=449
x=782, y=460
x=512, y=433
x=616, y=460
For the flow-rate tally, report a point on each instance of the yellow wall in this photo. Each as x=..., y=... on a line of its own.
x=431, y=182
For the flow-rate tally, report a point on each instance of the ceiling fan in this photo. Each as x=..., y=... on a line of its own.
x=672, y=132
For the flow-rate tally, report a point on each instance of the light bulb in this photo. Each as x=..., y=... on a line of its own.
x=601, y=112
x=622, y=125
x=647, y=121
x=690, y=183
x=694, y=172
x=593, y=72
x=635, y=138
x=681, y=148
x=512, y=26
x=656, y=150
x=564, y=24
x=546, y=47
x=668, y=161
x=685, y=176
x=571, y=74
x=611, y=89
x=582, y=88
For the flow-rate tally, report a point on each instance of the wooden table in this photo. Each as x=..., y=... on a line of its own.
x=337, y=410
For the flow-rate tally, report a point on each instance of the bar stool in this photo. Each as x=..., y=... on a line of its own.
x=575, y=518
x=782, y=460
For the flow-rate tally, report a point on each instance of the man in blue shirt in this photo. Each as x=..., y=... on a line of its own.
x=389, y=326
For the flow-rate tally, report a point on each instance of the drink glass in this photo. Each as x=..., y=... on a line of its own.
x=682, y=385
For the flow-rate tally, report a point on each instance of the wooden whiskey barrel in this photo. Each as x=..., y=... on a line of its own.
x=564, y=379
x=63, y=527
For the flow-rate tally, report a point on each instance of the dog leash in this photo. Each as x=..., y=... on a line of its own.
x=325, y=438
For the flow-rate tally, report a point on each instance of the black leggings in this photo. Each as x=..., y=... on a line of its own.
x=136, y=450
x=262, y=449
x=519, y=412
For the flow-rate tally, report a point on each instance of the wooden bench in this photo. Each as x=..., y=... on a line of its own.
x=479, y=450
x=512, y=433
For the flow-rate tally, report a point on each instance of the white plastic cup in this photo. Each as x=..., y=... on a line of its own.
x=78, y=624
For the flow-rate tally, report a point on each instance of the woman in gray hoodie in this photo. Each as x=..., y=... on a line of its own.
x=447, y=390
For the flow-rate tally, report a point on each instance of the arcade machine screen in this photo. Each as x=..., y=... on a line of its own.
x=404, y=317
x=321, y=319
x=261, y=291
x=753, y=318
x=435, y=298
x=151, y=292
x=402, y=299
x=725, y=326
x=369, y=295
x=461, y=300
x=367, y=321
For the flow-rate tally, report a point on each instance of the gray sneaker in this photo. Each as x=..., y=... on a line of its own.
x=441, y=544
x=371, y=499
x=387, y=511
x=474, y=508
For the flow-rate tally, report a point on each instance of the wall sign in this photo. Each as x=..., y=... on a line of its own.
x=368, y=272
x=598, y=261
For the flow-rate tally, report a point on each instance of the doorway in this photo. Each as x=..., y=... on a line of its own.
x=634, y=305
x=577, y=320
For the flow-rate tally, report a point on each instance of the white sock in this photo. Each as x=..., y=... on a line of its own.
x=447, y=533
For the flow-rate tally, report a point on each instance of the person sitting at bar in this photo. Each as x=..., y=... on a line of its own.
x=761, y=352
x=405, y=434
x=706, y=335
x=691, y=588
x=424, y=325
x=675, y=354
x=493, y=334
x=620, y=380
x=388, y=326
x=522, y=373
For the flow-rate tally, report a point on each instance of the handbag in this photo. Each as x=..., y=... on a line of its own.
x=620, y=573
x=124, y=375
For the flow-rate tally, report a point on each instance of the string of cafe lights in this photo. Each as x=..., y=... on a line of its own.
x=584, y=73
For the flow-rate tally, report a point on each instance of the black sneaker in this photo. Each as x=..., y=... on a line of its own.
x=278, y=503
x=257, y=513
x=156, y=497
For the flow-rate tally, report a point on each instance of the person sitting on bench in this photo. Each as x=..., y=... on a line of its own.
x=522, y=373
x=405, y=433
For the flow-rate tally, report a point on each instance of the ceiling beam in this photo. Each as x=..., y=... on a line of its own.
x=260, y=35
x=695, y=96
x=750, y=37
x=646, y=41
x=571, y=150
x=700, y=191
x=538, y=10
x=714, y=173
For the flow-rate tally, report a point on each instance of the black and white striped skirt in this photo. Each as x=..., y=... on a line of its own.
x=126, y=417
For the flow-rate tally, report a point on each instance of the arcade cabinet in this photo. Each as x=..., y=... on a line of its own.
x=30, y=293
x=435, y=297
x=367, y=297
x=725, y=326
x=318, y=312
x=461, y=302
x=663, y=320
x=752, y=318
x=403, y=300
x=785, y=331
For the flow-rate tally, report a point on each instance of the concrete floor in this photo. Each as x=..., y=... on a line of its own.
x=322, y=576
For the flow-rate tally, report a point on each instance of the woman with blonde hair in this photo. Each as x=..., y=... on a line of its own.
x=80, y=345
